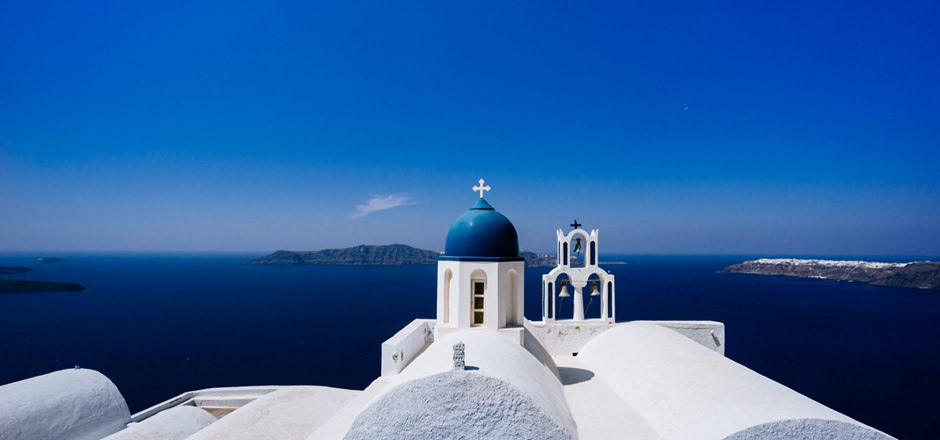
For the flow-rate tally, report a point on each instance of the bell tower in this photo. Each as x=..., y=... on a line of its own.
x=480, y=275
x=572, y=274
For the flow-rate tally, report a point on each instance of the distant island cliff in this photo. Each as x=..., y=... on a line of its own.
x=23, y=286
x=367, y=255
x=362, y=255
x=914, y=275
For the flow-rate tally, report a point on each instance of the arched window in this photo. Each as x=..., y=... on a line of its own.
x=593, y=253
x=448, y=276
x=579, y=251
x=511, y=300
x=550, y=297
x=610, y=297
x=594, y=284
x=564, y=252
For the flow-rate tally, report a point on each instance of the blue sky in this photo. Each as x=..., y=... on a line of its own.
x=677, y=127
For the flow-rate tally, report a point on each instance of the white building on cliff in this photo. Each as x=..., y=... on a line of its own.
x=477, y=370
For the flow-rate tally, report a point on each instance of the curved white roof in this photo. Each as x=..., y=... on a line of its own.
x=685, y=391
x=505, y=392
x=74, y=404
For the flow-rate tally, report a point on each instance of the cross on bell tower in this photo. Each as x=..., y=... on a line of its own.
x=481, y=188
x=577, y=245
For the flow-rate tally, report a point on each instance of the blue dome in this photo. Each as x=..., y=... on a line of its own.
x=482, y=234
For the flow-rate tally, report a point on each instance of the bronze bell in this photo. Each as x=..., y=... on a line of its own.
x=563, y=293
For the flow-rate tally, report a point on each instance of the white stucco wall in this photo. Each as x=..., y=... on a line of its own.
x=708, y=334
x=503, y=304
x=66, y=404
x=173, y=424
x=532, y=344
x=564, y=338
x=505, y=393
x=685, y=391
x=404, y=346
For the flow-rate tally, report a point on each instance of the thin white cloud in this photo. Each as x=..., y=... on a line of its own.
x=381, y=203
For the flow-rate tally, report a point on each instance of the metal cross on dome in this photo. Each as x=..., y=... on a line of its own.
x=481, y=188
x=576, y=225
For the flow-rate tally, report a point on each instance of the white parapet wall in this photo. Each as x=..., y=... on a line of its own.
x=709, y=334
x=72, y=404
x=565, y=338
x=399, y=350
x=291, y=412
x=173, y=424
x=223, y=400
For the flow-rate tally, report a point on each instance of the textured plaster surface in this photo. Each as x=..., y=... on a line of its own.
x=685, y=391
x=66, y=404
x=173, y=424
x=808, y=429
x=456, y=405
x=488, y=355
x=289, y=413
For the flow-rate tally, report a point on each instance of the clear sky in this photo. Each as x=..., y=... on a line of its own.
x=674, y=127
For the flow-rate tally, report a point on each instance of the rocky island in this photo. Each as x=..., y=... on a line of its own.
x=914, y=275
x=362, y=255
x=23, y=286
x=368, y=255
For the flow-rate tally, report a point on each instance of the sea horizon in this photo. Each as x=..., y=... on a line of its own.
x=604, y=257
x=159, y=324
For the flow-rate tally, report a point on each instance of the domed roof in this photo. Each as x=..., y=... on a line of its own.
x=482, y=234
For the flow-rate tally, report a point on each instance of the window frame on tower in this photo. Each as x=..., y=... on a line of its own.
x=477, y=298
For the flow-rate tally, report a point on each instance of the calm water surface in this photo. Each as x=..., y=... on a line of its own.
x=160, y=325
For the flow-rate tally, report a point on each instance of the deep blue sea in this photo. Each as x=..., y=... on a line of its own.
x=160, y=325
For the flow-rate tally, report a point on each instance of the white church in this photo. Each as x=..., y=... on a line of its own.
x=478, y=370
